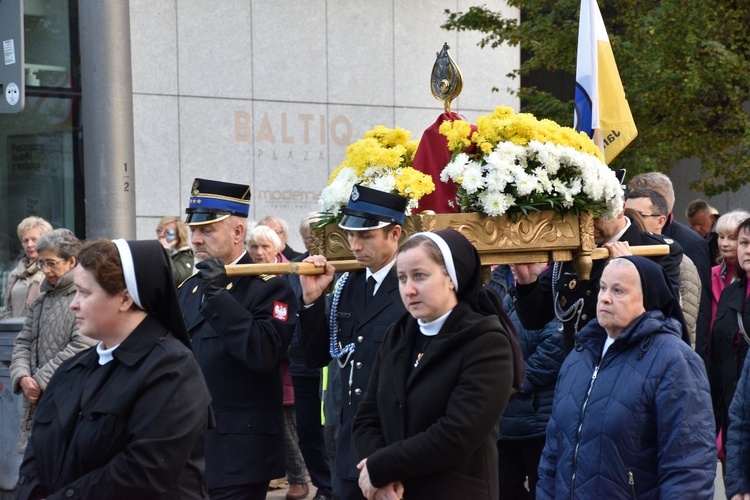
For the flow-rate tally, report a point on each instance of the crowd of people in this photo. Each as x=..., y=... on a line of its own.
x=148, y=369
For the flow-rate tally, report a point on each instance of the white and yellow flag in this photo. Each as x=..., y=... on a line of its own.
x=601, y=108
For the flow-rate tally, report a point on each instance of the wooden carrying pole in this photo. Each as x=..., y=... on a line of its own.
x=308, y=269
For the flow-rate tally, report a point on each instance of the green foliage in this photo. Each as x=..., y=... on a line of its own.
x=684, y=65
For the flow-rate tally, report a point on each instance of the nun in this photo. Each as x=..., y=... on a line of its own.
x=427, y=427
x=127, y=418
x=631, y=416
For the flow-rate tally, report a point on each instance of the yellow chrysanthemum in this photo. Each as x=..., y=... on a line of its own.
x=505, y=125
x=457, y=132
x=384, y=152
x=413, y=183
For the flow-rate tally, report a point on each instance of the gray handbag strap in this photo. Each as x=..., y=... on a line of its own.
x=742, y=327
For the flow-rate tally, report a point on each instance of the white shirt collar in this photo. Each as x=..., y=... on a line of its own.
x=380, y=274
x=238, y=258
x=619, y=235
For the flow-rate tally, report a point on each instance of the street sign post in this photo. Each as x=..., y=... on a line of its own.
x=12, y=83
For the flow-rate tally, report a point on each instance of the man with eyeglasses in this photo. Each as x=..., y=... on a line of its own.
x=556, y=292
x=653, y=209
x=651, y=206
x=693, y=245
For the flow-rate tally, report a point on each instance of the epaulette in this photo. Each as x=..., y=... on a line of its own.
x=662, y=239
x=266, y=277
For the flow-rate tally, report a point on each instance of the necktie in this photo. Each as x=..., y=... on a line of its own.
x=370, y=290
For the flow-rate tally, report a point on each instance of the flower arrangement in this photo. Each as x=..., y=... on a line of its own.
x=514, y=163
x=381, y=160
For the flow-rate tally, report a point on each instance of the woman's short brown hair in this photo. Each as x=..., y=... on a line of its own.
x=430, y=248
x=101, y=258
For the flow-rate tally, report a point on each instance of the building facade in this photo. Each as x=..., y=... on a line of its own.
x=268, y=93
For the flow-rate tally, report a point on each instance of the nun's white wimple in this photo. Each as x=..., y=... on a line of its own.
x=447, y=255
x=128, y=269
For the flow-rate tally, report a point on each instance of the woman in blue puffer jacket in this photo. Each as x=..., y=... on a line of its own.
x=523, y=424
x=632, y=414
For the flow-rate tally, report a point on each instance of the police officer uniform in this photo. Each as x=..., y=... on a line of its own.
x=574, y=301
x=360, y=323
x=239, y=337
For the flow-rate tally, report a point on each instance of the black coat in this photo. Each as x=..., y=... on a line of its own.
x=434, y=426
x=132, y=428
x=239, y=338
x=726, y=360
x=697, y=248
x=535, y=304
x=365, y=327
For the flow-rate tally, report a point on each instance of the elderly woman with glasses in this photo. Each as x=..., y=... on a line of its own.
x=50, y=334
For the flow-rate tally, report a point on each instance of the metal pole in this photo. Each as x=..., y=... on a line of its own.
x=107, y=114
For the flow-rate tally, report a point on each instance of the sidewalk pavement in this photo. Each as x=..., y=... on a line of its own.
x=281, y=493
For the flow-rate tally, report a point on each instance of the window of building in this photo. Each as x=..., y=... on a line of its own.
x=41, y=147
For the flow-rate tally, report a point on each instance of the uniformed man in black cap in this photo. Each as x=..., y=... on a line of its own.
x=543, y=295
x=240, y=329
x=363, y=305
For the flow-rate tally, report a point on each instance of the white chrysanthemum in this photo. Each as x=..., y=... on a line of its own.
x=509, y=149
x=372, y=171
x=559, y=187
x=575, y=186
x=385, y=182
x=411, y=204
x=503, y=156
x=495, y=202
x=335, y=196
x=554, y=152
x=545, y=184
x=455, y=168
x=473, y=180
x=497, y=180
x=526, y=184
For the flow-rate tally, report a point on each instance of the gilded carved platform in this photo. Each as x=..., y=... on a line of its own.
x=538, y=237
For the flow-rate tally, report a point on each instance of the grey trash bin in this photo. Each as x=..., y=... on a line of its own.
x=10, y=409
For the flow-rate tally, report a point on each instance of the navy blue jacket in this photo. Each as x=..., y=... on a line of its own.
x=297, y=365
x=697, y=248
x=635, y=424
x=737, y=478
x=529, y=409
x=239, y=339
x=365, y=326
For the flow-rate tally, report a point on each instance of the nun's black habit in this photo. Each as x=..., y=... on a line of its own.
x=433, y=426
x=133, y=427
x=658, y=293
